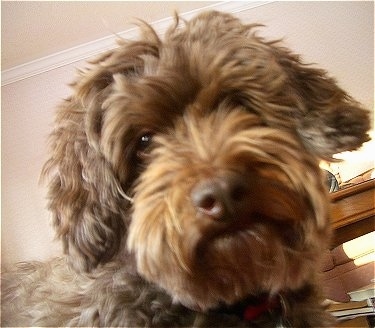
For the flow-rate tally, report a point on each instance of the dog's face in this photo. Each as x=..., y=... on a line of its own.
x=197, y=156
x=226, y=207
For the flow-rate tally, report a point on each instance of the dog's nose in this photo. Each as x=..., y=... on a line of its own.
x=220, y=198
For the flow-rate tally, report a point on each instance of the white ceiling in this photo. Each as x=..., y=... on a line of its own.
x=31, y=30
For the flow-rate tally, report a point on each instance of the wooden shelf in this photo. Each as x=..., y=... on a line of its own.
x=353, y=211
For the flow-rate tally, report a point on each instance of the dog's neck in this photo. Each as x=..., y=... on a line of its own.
x=252, y=308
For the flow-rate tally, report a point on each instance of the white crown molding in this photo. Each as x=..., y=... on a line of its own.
x=90, y=49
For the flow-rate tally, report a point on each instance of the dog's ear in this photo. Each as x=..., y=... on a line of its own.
x=85, y=197
x=340, y=127
x=86, y=185
x=331, y=121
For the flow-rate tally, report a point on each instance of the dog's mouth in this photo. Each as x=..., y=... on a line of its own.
x=256, y=240
x=267, y=218
x=254, y=224
x=242, y=238
x=241, y=260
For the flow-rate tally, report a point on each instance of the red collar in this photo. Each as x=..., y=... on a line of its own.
x=253, y=308
x=266, y=304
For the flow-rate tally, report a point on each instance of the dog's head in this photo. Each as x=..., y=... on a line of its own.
x=198, y=156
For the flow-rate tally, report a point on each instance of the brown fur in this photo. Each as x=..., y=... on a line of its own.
x=148, y=125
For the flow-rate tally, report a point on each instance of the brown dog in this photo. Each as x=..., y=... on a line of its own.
x=185, y=186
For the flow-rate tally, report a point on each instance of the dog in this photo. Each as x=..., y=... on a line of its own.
x=184, y=184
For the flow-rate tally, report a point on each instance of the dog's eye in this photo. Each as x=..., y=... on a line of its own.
x=145, y=141
x=143, y=147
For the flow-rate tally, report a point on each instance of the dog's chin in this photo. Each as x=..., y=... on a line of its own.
x=236, y=265
x=232, y=264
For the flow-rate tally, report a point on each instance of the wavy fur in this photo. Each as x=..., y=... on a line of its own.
x=150, y=123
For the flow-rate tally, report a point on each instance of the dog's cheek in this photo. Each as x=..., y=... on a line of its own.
x=155, y=234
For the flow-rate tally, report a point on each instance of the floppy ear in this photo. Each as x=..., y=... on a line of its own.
x=86, y=185
x=85, y=196
x=338, y=128
x=328, y=120
x=332, y=121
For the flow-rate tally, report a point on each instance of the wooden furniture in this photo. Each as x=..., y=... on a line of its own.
x=352, y=215
x=353, y=211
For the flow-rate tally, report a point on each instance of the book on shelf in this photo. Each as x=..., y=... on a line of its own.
x=352, y=309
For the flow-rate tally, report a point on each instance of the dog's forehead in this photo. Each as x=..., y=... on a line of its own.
x=200, y=65
x=207, y=63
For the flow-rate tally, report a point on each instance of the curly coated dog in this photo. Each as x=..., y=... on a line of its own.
x=184, y=183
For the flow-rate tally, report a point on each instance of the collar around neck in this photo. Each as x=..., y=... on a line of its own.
x=252, y=308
